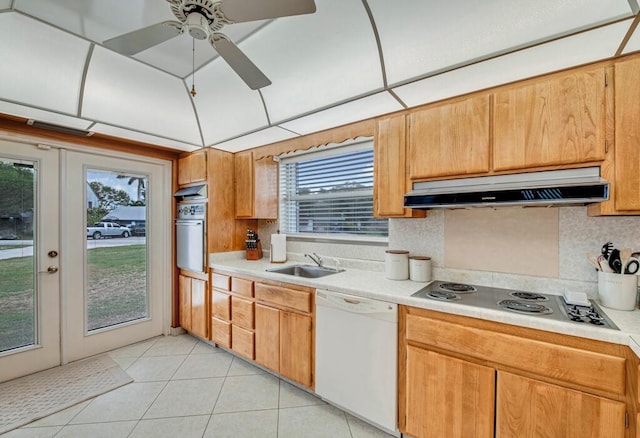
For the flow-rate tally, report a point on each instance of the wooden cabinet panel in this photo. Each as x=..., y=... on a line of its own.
x=451, y=139
x=222, y=282
x=256, y=187
x=390, y=169
x=221, y=305
x=627, y=135
x=242, y=312
x=556, y=121
x=199, y=308
x=447, y=396
x=529, y=408
x=589, y=369
x=184, y=290
x=221, y=332
x=268, y=337
x=192, y=167
x=283, y=297
x=241, y=286
x=296, y=354
x=242, y=341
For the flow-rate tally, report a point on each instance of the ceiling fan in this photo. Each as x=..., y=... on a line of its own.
x=203, y=19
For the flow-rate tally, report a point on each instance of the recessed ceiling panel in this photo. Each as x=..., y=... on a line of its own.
x=5, y=4
x=41, y=66
x=260, y=138
x=126, y=93
x=139, y=136
x=43, y=116
x=579, y=49
x=98, y=20
x=420, y=37
x=226, y=106
x=367, y=107
x=316, y=60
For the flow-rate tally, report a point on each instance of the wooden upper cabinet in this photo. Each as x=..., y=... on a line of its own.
x=529, y=408
x=390, y=170
x=256, y=184
x=627, y=135
x=192, y=168
x=450, y=139
x=555, y=121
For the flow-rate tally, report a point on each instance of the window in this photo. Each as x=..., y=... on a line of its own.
x=330, y=192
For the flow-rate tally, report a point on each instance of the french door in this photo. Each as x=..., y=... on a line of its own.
x=66, y=293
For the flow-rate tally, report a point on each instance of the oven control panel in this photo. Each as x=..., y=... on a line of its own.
x=191, y=211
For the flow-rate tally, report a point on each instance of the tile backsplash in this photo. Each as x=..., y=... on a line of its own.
x=577, y=234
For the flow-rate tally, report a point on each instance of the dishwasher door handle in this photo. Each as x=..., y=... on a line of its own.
x=346, y=300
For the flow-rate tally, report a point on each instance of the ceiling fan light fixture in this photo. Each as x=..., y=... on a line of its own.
x=198, y=26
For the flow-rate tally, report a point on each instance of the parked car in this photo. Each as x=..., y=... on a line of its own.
x=107, y=229
x=8, y=236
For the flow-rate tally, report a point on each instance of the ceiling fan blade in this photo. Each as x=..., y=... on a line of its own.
x=141, y=39
x=239, y=62
x=250, y=10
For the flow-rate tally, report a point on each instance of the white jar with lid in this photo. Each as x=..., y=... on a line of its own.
x=396, y=264
x=420, y=268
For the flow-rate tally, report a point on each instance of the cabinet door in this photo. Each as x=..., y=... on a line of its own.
x=244, y=184
x=267, y=338
x=199, y=311
x=243, y=341
x=447, y=396
x=552, y=122
x=265, y=192
x=192, y=168
x=296, y=347
x=451, y=139
x=221, y=305
x=530, y=408
x=627, y=135
x=242, y=312
x=184, y=290
x=221, y=332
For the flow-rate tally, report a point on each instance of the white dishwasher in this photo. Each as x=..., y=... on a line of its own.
x=356, y=356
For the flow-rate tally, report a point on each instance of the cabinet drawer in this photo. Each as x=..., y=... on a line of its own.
x=242, y=341
x=241, y=286
x=221, y=332
x=572, y=365
x=242, y=312
x=284, y=297
x=221, y=305
x=221, y=281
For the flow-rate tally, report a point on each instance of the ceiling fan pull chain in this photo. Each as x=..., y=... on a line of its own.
x=193, y=69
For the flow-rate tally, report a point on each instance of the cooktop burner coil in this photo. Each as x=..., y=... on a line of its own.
x=525, y=307
x=443, y=295
x=458, y=288
x=529, y=296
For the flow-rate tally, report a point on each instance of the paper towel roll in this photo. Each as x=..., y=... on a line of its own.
x=278, y=248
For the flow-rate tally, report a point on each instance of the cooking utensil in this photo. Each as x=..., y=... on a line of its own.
x=606, y=250
x=604, y=265
x=632, y=266
x=625, y=255
x=593, y=259
x=614, y=261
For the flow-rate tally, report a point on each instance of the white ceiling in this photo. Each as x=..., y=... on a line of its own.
x=351, y=60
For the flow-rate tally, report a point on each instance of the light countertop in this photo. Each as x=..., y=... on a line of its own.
x=366, y=283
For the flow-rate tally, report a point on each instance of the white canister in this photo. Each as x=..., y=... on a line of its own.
x=618, y=291
x=420, y=268
x=396, y=264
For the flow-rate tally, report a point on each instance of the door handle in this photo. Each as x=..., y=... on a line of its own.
x=50, y=270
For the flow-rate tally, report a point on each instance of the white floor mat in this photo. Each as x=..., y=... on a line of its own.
x=32, y=397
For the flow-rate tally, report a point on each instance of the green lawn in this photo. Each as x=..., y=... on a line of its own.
x=3, y=247
x=117, y=292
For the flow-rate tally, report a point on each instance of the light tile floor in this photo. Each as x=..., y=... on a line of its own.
x=186, y=388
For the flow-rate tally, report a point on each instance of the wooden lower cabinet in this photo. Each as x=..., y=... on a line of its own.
x=448, y=397
x=221, y=332
x=268, y=337
x=194, y=307
x=466, y=377
x=530, y=408
x=243, y=341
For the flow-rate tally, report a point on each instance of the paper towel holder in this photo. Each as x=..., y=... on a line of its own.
x=271, y=252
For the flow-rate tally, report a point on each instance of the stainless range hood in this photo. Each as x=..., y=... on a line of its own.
x=555, y=187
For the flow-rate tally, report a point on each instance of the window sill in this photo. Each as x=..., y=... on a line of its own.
x=331, y=238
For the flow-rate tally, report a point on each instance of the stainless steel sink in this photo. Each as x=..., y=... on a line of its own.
x=305, y=271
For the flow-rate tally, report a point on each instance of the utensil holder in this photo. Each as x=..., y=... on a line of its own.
x=255, y=254
x=618, y=291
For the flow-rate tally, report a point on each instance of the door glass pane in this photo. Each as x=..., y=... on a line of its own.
x=17, y=266
x=116, y=262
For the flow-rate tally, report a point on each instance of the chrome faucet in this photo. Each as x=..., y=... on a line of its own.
x=317, y=260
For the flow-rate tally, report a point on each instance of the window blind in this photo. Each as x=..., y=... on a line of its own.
x=330, y=193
